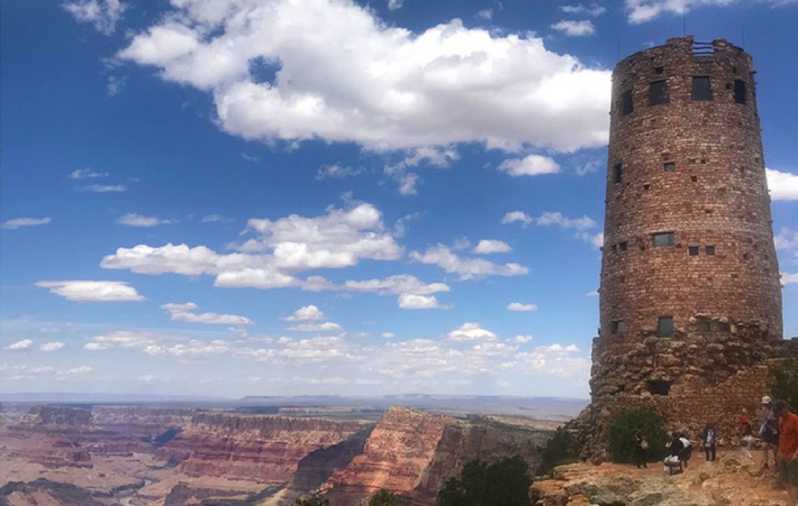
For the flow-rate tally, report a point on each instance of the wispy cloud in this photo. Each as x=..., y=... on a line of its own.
x=16, y=223
x=139, y=220
x=102, y=14
x=573, y=28
x=105, y=188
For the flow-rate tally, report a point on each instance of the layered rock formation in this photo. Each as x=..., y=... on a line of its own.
x=265, y=449
x=413, y=453
x=396, y=454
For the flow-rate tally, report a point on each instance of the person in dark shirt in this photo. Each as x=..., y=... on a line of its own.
x=709, y=440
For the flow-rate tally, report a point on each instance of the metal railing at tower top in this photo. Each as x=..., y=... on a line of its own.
x=700, y=49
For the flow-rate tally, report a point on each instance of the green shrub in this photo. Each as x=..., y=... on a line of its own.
x=385, y=498
x=785, y=383
x=560, y=449
x=503, y=483
x=622, y=430
x=312, y=500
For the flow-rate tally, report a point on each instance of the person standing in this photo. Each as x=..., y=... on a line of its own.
x=768, y=432
x=641, y=450
x=787, y=455
x=746, y=431
x=709, y=440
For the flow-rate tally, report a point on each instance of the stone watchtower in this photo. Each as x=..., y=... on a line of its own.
x=690, y=291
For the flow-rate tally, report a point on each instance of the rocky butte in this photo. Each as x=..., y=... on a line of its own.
x=690, y=296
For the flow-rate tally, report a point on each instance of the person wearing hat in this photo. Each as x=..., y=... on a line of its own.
x=787, y=456
x=768, y=432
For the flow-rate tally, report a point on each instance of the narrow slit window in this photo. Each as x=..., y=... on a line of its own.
x=740, y=91
x=617, y=172
x=623, y=245
x=662, y=239
x=616, y=327
x=627, y=103
x=669, y=166
x=658, y=93
x=693, y=250
x=665, y=326
x=702, y=88
x=710, y=250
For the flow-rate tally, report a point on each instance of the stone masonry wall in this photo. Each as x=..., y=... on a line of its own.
x=694, y=169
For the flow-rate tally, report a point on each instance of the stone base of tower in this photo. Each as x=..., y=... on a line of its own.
x=717, y=392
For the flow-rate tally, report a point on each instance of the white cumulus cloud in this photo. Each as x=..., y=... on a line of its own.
x=280, y=249
x=573, y=28
x=782, y=185
x=522, y=308
x=306, y=313
x=466, y=267
x=86, y=174
x=344, y=75
x=593, y=9
x=531, y=165
x=23, y=344
x=186, y=313
x=471, y=331
x=92, y=291
x=415, y=301
x=489, y=246
x=51, y=346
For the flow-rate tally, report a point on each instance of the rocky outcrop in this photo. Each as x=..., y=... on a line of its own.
x=264, y=449
x=412, y=453
x=732, y=480
x=477, y=439
x=45, y=493
x=395, y=456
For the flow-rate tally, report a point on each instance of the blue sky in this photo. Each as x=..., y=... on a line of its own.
x=276, y=197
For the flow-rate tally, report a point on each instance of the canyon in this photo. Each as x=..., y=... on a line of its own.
x=135, y=455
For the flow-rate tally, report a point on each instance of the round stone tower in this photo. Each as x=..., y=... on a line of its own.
x=690, y=289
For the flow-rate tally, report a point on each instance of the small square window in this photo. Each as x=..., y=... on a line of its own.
x=659, y=70
x=614, y=248
x=617, y=172
x=665, y=326
x=627, y=103
x=663, y=239
x=724, y=326
x=709, y=250
x=702, y=88
x=669, y=166
x=693, y=250
x=694, y=179
x=617, y=327
x=740, y=91
x=704, y=324
x=623, y=245
x=658, y=93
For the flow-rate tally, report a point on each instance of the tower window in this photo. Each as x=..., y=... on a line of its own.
x=658, y=387
x=702, y=88
x=627, y=104
x=693, y=250
x=710, y=250
x=658, y=93
x=617, y=172
x=740, y=91
x=669, y=166
x=623, y=245
x=665, y=326
x=659, y=70
x=663, y=239
x=704, y=324
x=616, y=327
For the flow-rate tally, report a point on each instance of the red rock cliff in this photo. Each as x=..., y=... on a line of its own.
x=266, y=449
